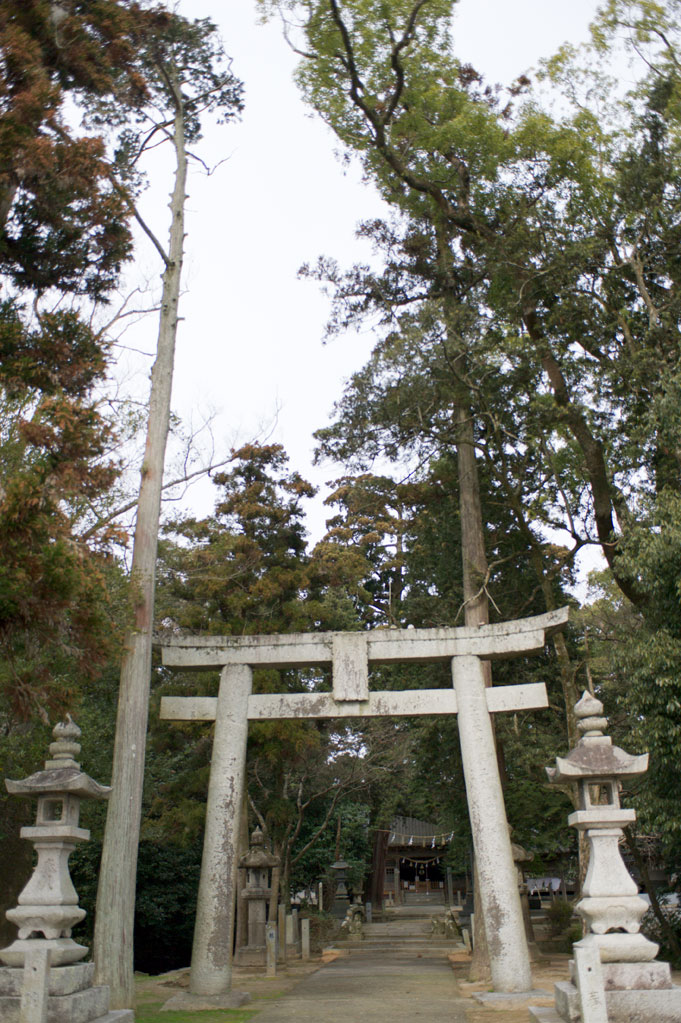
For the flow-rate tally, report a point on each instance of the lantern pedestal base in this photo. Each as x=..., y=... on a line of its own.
x=71, y=996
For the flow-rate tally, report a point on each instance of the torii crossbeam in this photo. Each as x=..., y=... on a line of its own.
x=350, y=654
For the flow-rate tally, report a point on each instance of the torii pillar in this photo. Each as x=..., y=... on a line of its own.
x=350, y=654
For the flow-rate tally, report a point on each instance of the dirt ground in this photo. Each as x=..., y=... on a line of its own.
x=263, y=989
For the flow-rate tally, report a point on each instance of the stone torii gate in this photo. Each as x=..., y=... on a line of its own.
x=350, y=654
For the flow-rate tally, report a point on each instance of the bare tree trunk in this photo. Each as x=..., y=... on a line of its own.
x=113, y=939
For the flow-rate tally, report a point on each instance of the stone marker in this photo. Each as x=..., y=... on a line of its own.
x=36, y=982
x=590, y=985
x=281, y=932
x=271, y=946
x=305, y=937
x=350, y=655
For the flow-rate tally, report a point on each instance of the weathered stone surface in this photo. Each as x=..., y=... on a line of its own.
x=117, y=1016
x=543, y=1014
x=211, y=970
x=305, y=938
x=33, y=1005
x=623, y=948
x=660, y=1006
x=566, y=1000
x=590, y=984
x=404, y=703
x=501, y=640
x=79, y=1007
x=631, y=976
x=58, y=779
x=350, y=666
x=509, y=959
x=64, y=950
x=64, y=980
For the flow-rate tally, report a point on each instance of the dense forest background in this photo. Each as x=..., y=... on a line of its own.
x=523, y=299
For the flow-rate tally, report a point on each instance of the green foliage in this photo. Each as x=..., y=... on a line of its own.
x=652, y=929
x=559, y=914
x=167, y=883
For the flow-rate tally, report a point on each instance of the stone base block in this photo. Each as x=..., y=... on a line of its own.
x=663, y=1005
x=507, y=1001
x=64, y=980
x=543, y=1014
x=185, y=1000
x=632, y=976
x=566, y=1001
x=79, y=1007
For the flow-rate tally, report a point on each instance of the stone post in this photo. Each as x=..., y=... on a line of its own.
x=509, y=959
x=271, y=945
x=211, y=970
x=305, y=937
x=33, y=1008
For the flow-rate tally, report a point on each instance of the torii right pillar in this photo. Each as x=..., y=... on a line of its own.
x=501, y=907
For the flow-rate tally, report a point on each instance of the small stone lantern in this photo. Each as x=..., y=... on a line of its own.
x=614, y=975
x=48, y=905
x=342, y=897
x=258, y=864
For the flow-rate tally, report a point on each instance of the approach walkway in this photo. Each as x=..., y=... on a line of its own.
x=396, y=975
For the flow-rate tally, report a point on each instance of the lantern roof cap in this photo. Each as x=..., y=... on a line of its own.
x=59, y=781
x=594, y=756
x=257, y=856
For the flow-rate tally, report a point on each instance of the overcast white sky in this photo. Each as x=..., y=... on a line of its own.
x=250, y=343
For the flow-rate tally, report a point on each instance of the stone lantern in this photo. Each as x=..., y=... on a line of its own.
x=48, y=905
x=43, y=979
x=342, y=897
x=258, y=864
x=614, y=975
